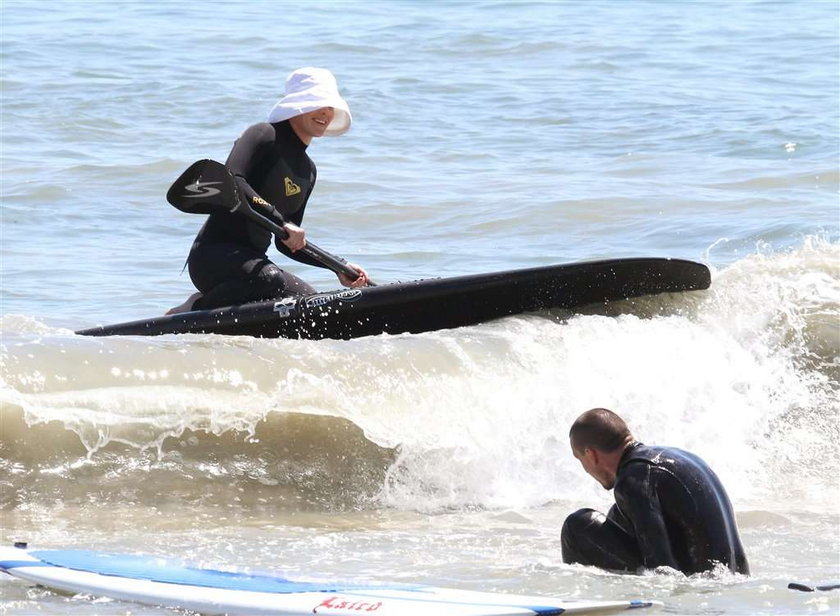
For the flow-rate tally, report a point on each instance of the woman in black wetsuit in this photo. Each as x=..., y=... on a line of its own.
x=228, y=262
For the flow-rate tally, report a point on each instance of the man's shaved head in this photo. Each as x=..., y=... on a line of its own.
x=599, y=429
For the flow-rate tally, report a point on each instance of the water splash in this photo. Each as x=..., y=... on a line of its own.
x=745, y=374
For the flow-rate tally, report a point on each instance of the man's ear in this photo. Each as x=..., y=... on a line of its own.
x=592, y=454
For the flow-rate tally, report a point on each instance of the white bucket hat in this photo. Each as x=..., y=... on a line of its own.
x=309, y=89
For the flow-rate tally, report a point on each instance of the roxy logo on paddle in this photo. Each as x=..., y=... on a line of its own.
x=202, y=189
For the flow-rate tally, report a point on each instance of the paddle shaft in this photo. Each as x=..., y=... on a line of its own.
x=339, y=266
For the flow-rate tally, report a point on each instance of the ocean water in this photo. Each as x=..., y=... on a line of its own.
x=487, y=135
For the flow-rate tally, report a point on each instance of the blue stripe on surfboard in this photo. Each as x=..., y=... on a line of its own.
x=159, y=570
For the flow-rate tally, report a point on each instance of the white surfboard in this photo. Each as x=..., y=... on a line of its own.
x=155, y=581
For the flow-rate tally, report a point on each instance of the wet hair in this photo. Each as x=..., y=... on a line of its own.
x=599, y=429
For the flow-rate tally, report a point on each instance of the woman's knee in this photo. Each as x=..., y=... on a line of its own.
x=281, y=283
x=270, y=281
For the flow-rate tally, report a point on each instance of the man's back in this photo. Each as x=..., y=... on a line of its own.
x=678, y=510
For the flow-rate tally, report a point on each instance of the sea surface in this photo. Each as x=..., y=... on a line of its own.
x=486, y=135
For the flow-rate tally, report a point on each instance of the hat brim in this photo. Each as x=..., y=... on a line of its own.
x=286, y=108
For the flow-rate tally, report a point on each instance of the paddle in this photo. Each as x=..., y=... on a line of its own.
x=207, y=187
x=810, y=588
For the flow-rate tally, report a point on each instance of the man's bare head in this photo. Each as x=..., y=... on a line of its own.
x=599, y=429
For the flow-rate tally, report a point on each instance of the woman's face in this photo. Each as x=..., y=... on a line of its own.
x=313, y=124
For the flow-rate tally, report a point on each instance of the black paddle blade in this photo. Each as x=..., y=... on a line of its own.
x=205, y=187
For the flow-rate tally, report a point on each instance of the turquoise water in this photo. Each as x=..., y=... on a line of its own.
x=486, y=136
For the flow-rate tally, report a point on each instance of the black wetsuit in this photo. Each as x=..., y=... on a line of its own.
x=228, y=261
x=670, y=509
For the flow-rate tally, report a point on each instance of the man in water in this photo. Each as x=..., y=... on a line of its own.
x=670, y=507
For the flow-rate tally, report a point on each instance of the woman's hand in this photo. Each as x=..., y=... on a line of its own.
x=296, y=239
x=361, y=281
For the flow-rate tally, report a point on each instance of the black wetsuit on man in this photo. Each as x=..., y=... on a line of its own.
x=228, y=261
x=670, y=509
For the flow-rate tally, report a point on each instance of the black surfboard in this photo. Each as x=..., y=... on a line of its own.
x=428, y=305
